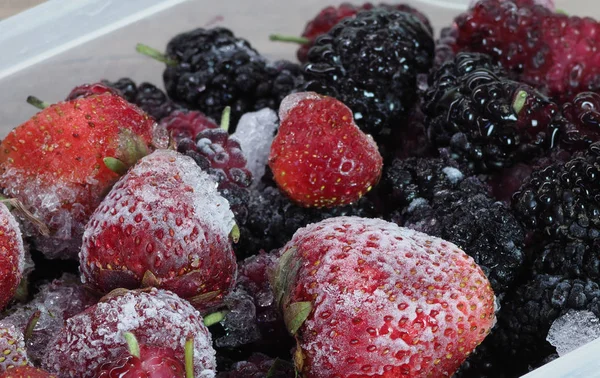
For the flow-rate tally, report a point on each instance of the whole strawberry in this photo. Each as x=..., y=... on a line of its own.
x=319, y=157
x=142, y=361
x=156, y=317
x=163, y=224
x=26, y=372
x=57, y=163
x=12, y=256
x=367, y=298
x=12, y=347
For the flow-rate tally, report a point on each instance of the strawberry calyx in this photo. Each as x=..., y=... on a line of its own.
x=150, y=280
x=132, y=344
x=283, y=278
x=214, y=318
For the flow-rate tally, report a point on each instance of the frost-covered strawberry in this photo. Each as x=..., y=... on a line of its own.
x=12, y=347
x=143, y=361
x=165, y=225
x=319, y=157
x=57, y=163
x=156, y=317
x=26, y=372
x=367, y=298
x=12, y=256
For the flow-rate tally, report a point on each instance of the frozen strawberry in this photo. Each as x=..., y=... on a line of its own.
x=157, y=318
x=57, y=163
x=319, y=157
x=52, y=305
x=12, y=256
x=26, y=372
x=12, y=347
x=367, y=298
x=142, y=361
x=165, y=225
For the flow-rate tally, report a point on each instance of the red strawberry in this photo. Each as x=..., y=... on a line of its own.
x=367, y=298
x=319, y=157
x=165, y=225
x=55, y=163
x=156, y=317
x=12, y=256
x=552, y=51
x=26, y=372
x=12, y=347
x=143, y=361
x=330, y=16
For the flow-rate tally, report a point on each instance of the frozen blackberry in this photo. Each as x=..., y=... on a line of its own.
x=484, y=118
x=573, y=259
x=259, y=365
x=434, y=197
x=352, y=63
x=561, y=201
x=147, y=96
x=525, y=320
x=273, y=219
x=329, y=16
x=209, y=69
x=127, y=88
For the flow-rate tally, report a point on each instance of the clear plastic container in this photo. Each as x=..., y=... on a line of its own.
x=51, y=48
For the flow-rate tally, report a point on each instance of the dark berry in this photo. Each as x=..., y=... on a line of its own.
x=561, y=200
x=215, y=69
x=259, y=365
x=573, y=259
x=581, y=124
x=273, y=219
x=525, y=320
x=125, y=86
x=352, y=63
x=484, y=118
x=328, y=17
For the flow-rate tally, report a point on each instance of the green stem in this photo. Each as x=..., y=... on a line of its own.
x=289, y=39
x=225, y=118
x=189, y=358
x=214, y=318
x=32, y=100
x=132, y=344
x=154, y=54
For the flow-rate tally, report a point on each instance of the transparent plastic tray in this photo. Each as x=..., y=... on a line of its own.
x=49, y=49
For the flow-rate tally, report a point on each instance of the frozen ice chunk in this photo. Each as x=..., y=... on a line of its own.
x=453, y=174
x=255, y=132
x=572, y=330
